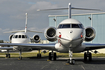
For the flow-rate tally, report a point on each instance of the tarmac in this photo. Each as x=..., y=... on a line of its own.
x=42, y=64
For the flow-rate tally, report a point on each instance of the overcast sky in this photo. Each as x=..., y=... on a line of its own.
x=12, y=13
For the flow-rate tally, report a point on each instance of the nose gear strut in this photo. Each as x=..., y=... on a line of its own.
x=71, y=61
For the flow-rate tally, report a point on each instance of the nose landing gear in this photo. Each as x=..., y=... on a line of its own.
x=70, y=61
x=20, y=57
x=7, y=54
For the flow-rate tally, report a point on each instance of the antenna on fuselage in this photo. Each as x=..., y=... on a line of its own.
x=26, y=23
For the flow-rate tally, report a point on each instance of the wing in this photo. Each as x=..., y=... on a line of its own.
x=92, y=46
x=33, y=46
x=6, y=48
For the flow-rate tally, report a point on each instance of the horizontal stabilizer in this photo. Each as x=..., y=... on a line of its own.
x=34, y=31
x=68, y=8
x=52, y=9
x=85, y=9
x=15, y=31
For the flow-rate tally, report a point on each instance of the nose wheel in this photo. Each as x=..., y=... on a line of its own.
x=72, y=61
x=7, y=54
x=20, y=57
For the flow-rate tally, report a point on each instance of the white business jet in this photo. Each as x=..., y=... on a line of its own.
x=70, y=34
x=21, y=36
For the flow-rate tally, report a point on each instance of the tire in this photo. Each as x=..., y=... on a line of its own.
x=73, y=61
x=38, y=55
x=90, y=57
x=85, y=56
x=54, y=56
x=8, y=55
x=50, y=56
x=20, y=58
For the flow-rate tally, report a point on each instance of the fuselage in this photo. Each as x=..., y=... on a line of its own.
x=70, y=34
x=20, y=37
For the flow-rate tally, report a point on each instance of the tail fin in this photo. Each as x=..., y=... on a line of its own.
x=26, y=30
x=26, y=23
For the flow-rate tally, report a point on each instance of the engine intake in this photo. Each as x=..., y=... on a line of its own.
x=90, y=34
x=36, y=38
x=50, y=34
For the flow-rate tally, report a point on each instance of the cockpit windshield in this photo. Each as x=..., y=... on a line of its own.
x=64, y=26
x=20, y=36
x=70, y=26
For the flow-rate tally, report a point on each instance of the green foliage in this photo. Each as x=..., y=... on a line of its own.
x=34, y=54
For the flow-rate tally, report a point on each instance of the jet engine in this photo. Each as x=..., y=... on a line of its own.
x=89, y=34
x=36, y=38
x=10, y=37
x=50, y=34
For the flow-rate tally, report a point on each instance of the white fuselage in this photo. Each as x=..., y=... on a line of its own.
x=20, y=37
x=70, y=34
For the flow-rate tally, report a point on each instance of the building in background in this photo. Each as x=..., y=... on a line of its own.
x=95, y=20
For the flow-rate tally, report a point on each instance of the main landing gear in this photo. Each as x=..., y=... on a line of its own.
x=7, y=54
x=38, y=55
x=87, y=55
x=52, y=56
x=70, y=61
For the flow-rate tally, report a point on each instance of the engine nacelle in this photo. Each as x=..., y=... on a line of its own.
x=36, y=38
x=89, y=34
x=10, y=37
x=50, y=34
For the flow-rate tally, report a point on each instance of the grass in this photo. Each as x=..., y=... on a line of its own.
x=34, y=54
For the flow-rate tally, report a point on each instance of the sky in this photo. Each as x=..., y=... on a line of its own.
x=12, y=13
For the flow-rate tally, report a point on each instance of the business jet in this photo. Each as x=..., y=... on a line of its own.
x=70, y=34
x=21, y=36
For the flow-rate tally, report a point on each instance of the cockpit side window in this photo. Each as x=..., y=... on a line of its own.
x=19, y=36
x=23, y=36
x=81, y=25
x=60, y=26
x=13, y=36
x=16, y=36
